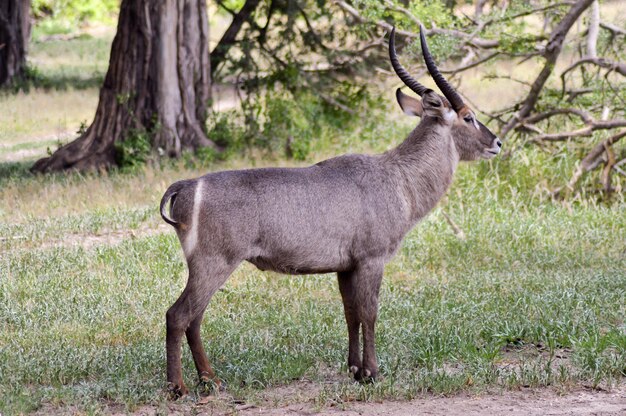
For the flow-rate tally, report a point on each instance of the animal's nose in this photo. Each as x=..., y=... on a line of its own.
x=498, y=142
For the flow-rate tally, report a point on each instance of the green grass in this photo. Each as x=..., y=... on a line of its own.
x=534, y=296
x=80, y=62
x=73, y=227
x=59, y=97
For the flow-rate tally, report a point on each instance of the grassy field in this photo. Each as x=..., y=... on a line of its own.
x=534, y=296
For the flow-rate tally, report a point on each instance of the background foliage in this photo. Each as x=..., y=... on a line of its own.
x=320, y=44
x=65, y=16
x=325, y=53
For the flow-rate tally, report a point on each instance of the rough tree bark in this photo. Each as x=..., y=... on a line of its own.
x=158, y=82
x=14, y=35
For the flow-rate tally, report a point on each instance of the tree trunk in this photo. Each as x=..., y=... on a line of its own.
x=14, y=35
x=157, y=84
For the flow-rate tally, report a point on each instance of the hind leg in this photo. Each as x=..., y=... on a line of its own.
x=348, y=295
x=185, y=315
x=200, y=359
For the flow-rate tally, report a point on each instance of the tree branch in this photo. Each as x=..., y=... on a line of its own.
x=455, y=228
x=618, y=67
x=582, y=132
x=585, y=117
x=317, y=38
x=476, y=42
x=263, y=31
x=470, y=65
x=572, y=94
x=527, y=13
x=612, y=28
x=592, y=160
x=228, y=39
x=551, y=53
x=225, y=7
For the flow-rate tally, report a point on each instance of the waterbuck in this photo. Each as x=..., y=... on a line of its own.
x=346, y=215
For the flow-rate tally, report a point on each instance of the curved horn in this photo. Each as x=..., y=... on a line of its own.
x=408, y=80
x=447, y=90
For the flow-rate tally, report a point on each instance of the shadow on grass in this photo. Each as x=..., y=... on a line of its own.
x=15, y=170
x=34, y=78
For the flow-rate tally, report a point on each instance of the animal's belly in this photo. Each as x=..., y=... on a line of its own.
x=289, y=264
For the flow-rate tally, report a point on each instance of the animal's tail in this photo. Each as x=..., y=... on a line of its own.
x=170, y=194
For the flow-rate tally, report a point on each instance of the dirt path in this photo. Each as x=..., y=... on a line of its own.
x=88, y=240
x=508, y=403
x=106, y=237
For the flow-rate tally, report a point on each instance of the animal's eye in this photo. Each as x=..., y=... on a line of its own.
x=468, y=119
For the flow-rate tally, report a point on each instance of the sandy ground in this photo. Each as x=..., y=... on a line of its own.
x=510, y=403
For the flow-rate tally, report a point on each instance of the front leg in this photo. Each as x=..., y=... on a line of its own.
x=368, y=279
x=359, y=291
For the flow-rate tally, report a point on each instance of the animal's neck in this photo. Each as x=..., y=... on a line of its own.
x=424, y=164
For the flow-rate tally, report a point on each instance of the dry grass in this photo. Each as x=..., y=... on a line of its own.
x=41, y=116
x=44, y=197
x=32, y=122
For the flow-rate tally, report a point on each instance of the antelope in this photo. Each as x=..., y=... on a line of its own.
x=345, y=215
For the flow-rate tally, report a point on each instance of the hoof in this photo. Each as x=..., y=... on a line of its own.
x=365, y=376
x=175, y=391
x=211, y=383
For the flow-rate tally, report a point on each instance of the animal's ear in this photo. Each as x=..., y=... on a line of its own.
x=411, y=106
x=436, y=106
